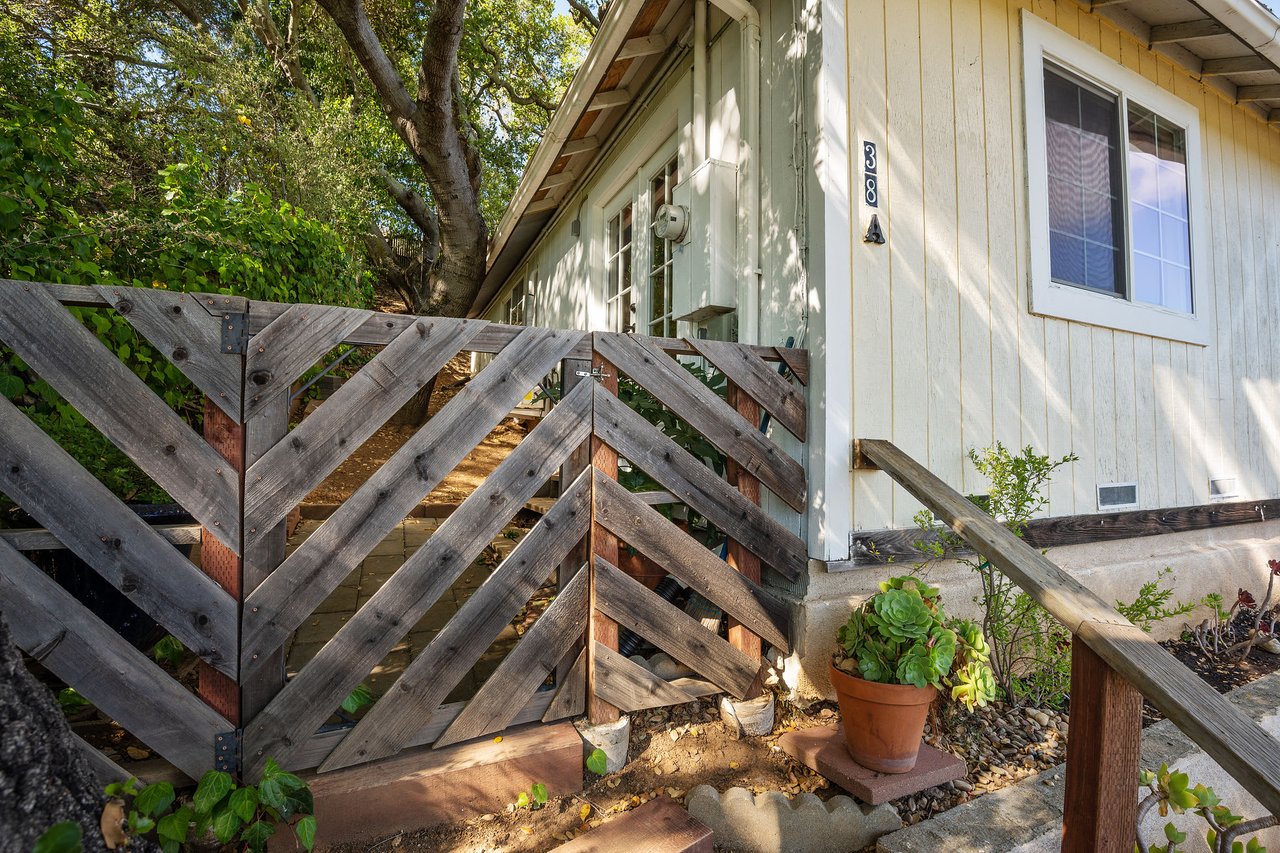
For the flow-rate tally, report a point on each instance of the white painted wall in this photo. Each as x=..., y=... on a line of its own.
x=946, y=354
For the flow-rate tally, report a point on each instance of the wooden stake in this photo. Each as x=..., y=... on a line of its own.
x=603, y=544
x=1101, y=809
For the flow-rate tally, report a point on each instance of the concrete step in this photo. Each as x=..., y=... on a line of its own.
x=422, y=787
x=659, y=826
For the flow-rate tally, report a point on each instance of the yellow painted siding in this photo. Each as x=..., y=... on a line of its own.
x=946, y=355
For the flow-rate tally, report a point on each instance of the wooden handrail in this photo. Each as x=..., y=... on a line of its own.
x=1246, y=751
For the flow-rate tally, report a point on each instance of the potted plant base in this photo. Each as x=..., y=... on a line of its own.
x=883, y=723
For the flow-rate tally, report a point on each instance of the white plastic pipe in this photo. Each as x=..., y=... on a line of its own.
x=749, y=154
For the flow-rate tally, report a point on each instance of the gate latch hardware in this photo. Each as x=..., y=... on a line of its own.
x=235, y=332
x=595, y=373
x=227, y=751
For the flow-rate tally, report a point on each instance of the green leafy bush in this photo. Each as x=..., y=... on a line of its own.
x=902, y=636
x=244, y=815
x=1171, y=791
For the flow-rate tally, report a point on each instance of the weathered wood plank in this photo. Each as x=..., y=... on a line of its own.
x=630, y=686
x=71, y=642
x=571, y=697
x=45, y=481
x=698, y=405
x=1246, y=751
x=119, y=404
x=105, y=771
x=313, y=571
x=284, y=725
x=527, y=667
x=742, y=558
x=263, y=555
x=749, y=372
x=290, y=469
x=603, y=631
x=644, y=529
x=87, y=296
x=695, y=484
x=225, y=435
x=433, y=674
x=319, y=745
x=878, y=547
x=572, y=373
x=39, y=539
x=188, y=335
x=1100, y=812
x=287, y=348
x=633, y=606
x=381, y=329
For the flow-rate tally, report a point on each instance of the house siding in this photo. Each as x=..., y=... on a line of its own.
x=947, y=356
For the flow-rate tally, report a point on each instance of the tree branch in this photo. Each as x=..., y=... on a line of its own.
x=416, y=208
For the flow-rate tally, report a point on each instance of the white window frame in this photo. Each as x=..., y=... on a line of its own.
x=668, y=152
x=1041, y=43
x=630, y=319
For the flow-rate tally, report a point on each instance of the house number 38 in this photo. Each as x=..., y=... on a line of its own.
x=870, y=180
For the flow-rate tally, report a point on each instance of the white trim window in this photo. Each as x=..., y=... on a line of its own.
x=619, y=292
x=522, y=303
x=661, y=254
x=1116, y=193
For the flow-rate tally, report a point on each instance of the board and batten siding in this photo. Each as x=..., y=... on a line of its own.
x=946, y=355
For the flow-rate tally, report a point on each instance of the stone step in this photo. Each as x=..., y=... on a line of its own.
x=422, y=787
x=659, y=826
x=823, y=750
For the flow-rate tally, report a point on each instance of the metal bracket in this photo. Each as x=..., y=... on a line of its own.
x=227, y=751
x=235, y=332
x=595, y=373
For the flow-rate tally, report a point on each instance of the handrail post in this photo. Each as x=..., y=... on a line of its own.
x=1101, y=808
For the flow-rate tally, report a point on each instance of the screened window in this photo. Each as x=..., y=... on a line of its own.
x=1114, y=177
x=661, y=322
x=620, y=295
x=520, y=305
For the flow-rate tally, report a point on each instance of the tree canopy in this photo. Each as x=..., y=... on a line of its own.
x=261, y=146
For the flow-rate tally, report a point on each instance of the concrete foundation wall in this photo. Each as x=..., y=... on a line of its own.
x=1220, y=560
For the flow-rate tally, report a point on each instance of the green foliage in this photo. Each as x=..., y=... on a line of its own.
x=1172, y=791
x=1152, y=604
x=533, y=799
x=598, y=762
x=246, y=815
x=169, y=650
x=902, y=636
x=72, y=702
x=1029, y=649
x=357, y=699
x=65, y=837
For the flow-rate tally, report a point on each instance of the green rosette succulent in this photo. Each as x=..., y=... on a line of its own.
x=901, y=636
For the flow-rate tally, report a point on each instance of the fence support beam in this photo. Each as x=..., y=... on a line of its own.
x=219, y=562
x=603, y=544
x=1101, y=809
x=746, y=563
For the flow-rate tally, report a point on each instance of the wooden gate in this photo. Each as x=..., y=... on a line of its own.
x=249, y=470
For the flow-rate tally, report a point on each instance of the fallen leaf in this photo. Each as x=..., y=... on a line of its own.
x=733, y=765
x=112, y=824
x=526, y=830
x=498, y=739
x=138, y=754
x=584, y=813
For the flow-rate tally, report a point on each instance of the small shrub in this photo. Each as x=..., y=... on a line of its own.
x=1152, y=604
x=533, y=799
x=1171, y=791
x=65, y=837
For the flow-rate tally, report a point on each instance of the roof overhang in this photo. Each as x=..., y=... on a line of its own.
x=629, y=47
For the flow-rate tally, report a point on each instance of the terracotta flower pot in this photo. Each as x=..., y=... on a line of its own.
x=883, y=723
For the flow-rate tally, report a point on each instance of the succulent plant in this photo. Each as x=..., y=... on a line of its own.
x=902, y=636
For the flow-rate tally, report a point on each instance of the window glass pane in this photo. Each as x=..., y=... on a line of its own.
x=1158, y=206
x=1086, y=223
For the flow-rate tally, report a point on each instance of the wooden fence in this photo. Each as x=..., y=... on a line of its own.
x=241, y=478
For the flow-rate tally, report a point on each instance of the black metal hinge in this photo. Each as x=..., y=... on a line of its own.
x=235, y=332
x=227, y=751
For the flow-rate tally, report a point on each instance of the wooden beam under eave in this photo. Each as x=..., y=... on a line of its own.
x=1187, y=30
x=579, y=146
x=1269, y=92
x=1103, y=4
x=606, y=100
x=558, y=180
x=1235, y=65
x=542, y=205
x=642, y=46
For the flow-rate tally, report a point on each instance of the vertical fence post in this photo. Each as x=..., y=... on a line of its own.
x=578, y=462
x=604, y=544
x=746, y=563
x=219, y=562
x=268, y=426
x=1101, y=809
